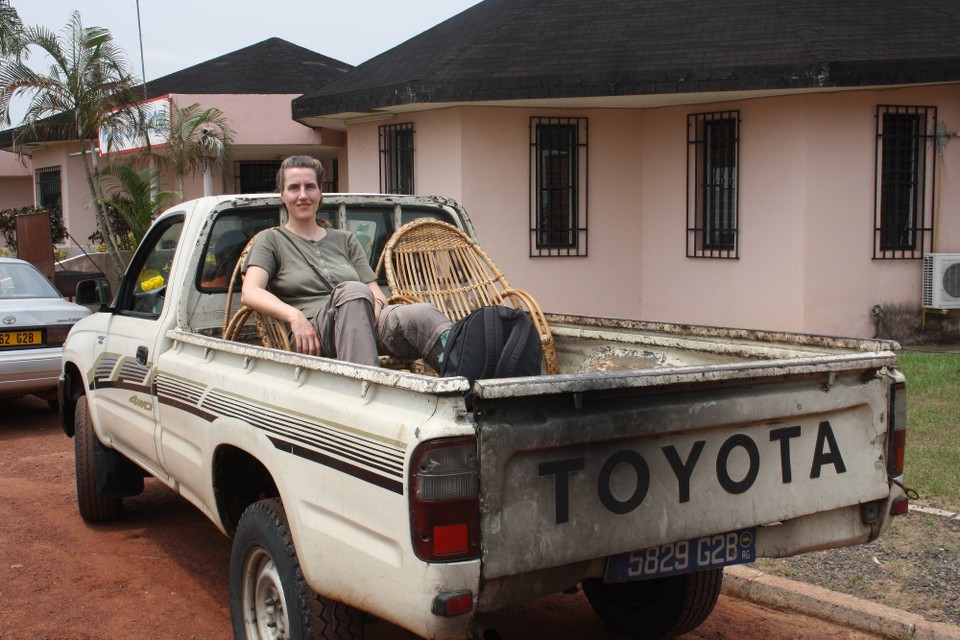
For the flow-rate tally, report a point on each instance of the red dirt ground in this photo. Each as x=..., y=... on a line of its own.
x=161, y=570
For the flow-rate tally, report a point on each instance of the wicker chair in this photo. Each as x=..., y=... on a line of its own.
x=431, y=261
x=271, y=331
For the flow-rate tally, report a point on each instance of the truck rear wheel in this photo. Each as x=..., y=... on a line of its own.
x=657, y=608
x=269, y=597
x=93, y=506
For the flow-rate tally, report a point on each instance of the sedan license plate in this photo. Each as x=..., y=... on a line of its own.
x=696, y=554
x=12, y=339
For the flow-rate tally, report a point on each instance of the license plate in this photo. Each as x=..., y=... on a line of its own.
x=20, y=338
x=696, y=554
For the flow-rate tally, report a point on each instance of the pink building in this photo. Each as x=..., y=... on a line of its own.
x=252, y=86
x=16, y=183
x=752, y=164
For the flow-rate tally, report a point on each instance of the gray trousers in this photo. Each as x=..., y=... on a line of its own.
x=348, y=331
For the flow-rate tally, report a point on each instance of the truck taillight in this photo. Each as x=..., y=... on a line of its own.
x=897, y=432
x=444, y=502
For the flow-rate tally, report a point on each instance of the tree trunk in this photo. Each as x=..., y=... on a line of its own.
x=103, y=220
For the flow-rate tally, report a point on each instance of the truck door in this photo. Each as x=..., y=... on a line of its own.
x=122, y=380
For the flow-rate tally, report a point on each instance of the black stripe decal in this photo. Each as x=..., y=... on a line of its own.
x=129, y=386
x=315, y=456
x=189, y=408
x=285, y=436
x=358, y=451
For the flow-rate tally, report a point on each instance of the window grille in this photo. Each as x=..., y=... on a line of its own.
x=905, y=185
x=713, y=158
x=396, y=158
x=558, y=187
x=260, y=176
x=256, y=176
x=49, y=189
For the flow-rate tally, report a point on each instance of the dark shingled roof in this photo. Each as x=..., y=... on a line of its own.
x=534, y=49
x=268, y=67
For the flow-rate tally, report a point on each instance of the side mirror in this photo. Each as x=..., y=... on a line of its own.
x=93, y=293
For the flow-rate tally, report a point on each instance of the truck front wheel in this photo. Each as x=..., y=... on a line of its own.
x=269, y=597
x=657, y=608
x=93, y=506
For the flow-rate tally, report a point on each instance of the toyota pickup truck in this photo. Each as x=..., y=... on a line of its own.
x=659, y=454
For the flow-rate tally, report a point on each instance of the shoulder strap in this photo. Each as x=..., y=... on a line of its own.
x=522, y=331
x=293, y=244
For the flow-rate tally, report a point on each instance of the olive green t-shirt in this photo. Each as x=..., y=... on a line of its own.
x=338, y=257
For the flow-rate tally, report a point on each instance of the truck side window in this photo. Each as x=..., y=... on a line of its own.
x=372, y=227
x=227, y=238
x=145, y=283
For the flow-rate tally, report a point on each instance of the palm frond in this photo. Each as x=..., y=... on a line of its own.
x=197, y=137
x=133, y=194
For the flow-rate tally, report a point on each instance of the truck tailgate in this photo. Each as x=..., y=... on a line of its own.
x=618, y=465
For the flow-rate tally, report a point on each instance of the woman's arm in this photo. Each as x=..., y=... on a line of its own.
x=254, y=294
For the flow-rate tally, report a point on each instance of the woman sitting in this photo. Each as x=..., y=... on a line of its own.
x=318, y=281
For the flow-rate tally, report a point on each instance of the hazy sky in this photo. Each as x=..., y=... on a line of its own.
x=181, y=33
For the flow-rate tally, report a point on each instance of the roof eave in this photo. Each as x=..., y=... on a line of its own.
x=664, y=86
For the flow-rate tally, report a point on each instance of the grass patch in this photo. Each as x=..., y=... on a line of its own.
x=933, y=425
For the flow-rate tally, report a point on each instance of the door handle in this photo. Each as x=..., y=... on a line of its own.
x=142, y=353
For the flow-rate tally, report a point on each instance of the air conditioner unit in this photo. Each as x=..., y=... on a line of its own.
x=941, y=281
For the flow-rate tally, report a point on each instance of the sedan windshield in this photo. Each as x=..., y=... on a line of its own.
x=19, y=280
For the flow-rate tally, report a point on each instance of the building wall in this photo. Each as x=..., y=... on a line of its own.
x=78, y=213
x=16, y=183
x=264, y=131
x=16, y=192
x=257, y=119
x=806, y=209
x=364, y=158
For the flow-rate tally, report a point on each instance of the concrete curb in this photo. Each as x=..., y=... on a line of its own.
x=772, y=591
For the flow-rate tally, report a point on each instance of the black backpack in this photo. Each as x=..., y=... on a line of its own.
x=492, y=342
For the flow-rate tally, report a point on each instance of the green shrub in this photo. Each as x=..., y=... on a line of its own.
x=8, y=225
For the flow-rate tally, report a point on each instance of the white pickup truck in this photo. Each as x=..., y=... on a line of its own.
x=658, y=455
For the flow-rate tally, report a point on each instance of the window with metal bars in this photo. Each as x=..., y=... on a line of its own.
x=256, y=176
x=905, y=185
x=396, y=158
x=713, y=155
x=49, y=189
x=558, y=187
x=260, y=176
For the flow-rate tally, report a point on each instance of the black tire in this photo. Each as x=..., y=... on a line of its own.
x=657, y=608
x=93, y=507
x=269, y=597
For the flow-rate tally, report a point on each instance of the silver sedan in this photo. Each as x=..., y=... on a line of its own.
x=34, y=322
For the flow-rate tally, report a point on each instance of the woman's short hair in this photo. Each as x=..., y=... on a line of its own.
x=300, y=162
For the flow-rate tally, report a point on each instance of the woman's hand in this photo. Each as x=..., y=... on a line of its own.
x=305, y=338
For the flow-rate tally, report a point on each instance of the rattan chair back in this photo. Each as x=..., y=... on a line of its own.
x=432, y=261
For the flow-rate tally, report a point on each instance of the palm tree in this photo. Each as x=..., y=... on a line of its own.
x=132, y=194
x=199, y=140
x=11, y=32
x=88, y=85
